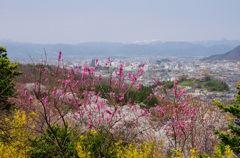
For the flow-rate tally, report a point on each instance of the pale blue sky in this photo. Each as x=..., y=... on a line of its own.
x=75, y=21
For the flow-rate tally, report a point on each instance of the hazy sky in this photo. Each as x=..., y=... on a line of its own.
x=75, y=21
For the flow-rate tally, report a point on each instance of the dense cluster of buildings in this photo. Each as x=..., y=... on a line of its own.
x=167, y=69
x=171, y=68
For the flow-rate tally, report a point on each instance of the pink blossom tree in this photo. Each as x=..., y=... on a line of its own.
x=66, y=98
x=189, y=122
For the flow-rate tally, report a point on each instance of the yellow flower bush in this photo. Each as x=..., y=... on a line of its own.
x=89, y=146
x=195, y=154
x=142, y=150
x=16, y=145
x=81, y=152
x=228, y=152
x=96, y=143
x=178, y=153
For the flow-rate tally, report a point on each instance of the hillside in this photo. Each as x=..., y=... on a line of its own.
x=232, y=55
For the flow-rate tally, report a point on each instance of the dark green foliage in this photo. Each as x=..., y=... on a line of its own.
x=209, y=83
x=232, y=136
x=142, y=96
x=99, y=144
x=3, y=52
x=139, y=96
x=7, y=73
x=207, y=78
x=169, y=84
x=165, y=84
x=215, y=85
x=56, y=142
x=103, y=89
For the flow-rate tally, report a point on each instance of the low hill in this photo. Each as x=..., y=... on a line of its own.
x=232, y=55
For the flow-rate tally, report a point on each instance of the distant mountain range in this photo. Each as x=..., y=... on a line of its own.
x=18, y=51
x=232, y=55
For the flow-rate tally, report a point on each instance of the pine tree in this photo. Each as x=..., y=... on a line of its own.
x=7, y=73
x=232, y=136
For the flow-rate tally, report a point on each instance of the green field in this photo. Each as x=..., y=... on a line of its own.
x=190, y=83
x=212, y=85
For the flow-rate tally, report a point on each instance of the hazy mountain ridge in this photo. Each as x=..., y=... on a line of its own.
x=232, y=55
x=204, y=48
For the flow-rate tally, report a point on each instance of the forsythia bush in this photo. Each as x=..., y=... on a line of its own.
x=17, y=145
x=194, y=154
x=97, y=144
x=219, y=154
x=142, y=150
x=82, y=153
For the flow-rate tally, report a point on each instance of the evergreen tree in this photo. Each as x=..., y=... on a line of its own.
x=232, y=136
x=7, y=73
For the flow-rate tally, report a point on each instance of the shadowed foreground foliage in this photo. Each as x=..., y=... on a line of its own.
x=232, y=136
x=7, y=74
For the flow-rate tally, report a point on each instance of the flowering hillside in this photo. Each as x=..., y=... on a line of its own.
x=65, y=112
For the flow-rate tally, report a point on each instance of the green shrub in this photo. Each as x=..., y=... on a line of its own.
x=98, y=144
x=231, y=137
x=56, y=142
x=215, y=85
x=7, y=74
